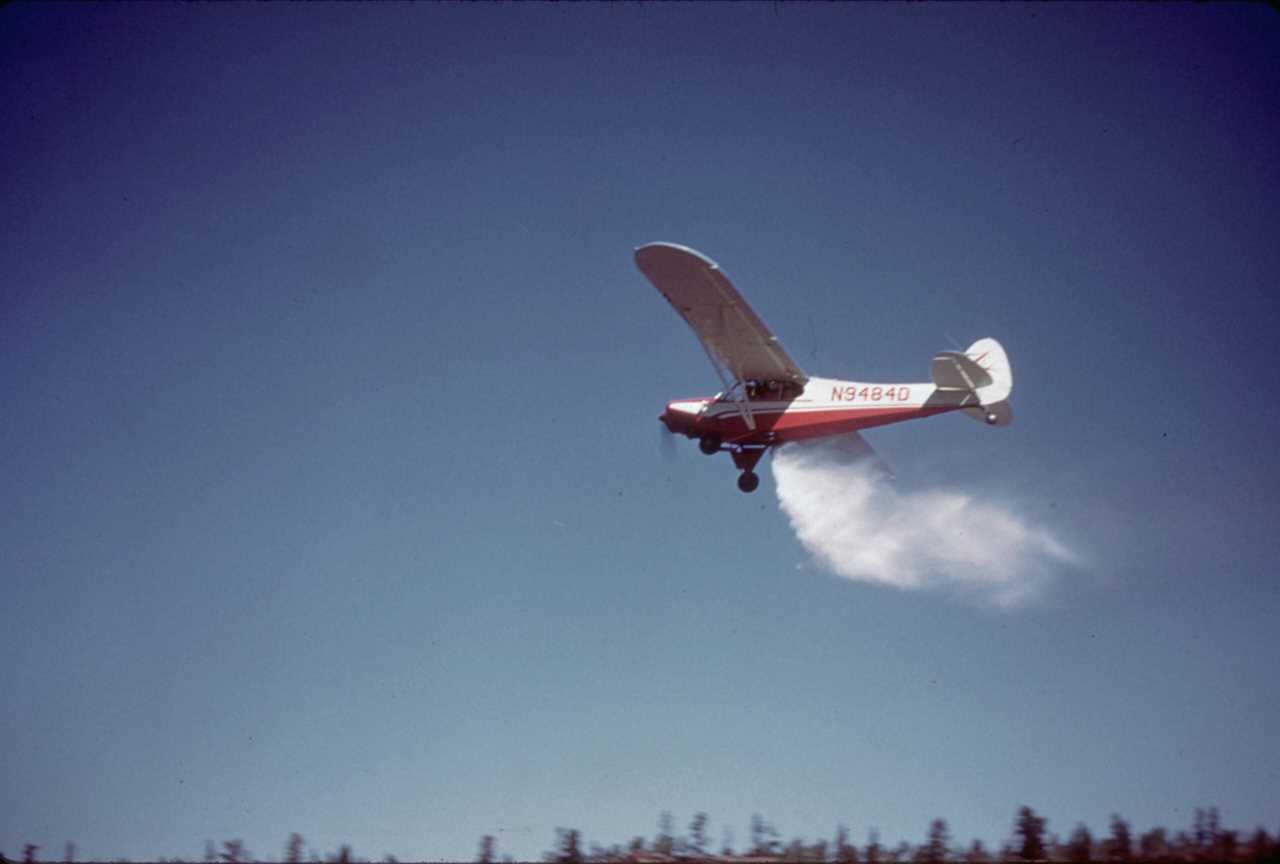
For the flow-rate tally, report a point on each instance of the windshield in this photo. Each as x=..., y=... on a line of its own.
x=760, y=391
x=733, y=394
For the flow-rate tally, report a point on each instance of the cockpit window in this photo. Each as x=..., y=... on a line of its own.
x=760, y=391
x=733, y=394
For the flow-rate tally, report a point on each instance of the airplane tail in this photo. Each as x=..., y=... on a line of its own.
x=983, y=375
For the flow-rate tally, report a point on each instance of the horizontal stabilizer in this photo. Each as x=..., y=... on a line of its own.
x=954, y=371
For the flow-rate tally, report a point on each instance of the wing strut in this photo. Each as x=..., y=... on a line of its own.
x=743, y=408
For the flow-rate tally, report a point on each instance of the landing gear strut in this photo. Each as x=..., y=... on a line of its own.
x=745, y=458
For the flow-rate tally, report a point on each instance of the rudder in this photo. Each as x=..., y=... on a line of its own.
x=990, y=356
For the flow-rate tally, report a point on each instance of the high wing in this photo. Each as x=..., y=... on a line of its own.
x=728, y=329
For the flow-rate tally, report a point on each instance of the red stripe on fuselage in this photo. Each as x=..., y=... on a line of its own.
x=775, y=427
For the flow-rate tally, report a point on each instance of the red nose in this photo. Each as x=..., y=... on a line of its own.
x=668, y=417
x=682, y=416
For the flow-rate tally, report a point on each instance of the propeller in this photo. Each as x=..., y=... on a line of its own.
x=666, y=443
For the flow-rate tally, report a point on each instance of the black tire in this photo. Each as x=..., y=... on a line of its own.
x=709, y=444
x=747, y=481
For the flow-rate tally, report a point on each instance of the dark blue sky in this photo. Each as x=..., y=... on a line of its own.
x=333, y=501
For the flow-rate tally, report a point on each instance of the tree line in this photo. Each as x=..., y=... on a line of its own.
x=1205, y=841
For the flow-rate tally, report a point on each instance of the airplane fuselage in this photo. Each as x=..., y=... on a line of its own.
x=825, y=406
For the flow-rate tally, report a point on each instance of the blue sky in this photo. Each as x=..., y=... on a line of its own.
x=333, y=495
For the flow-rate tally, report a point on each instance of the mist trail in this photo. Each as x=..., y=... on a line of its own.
x=855, y=523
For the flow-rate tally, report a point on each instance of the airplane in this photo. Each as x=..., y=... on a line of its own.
x=767, y=400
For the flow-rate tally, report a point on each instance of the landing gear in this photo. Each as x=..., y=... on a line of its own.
x=745, y=458
x=709, y=444
x=992, y=418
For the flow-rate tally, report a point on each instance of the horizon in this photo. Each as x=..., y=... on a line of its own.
x=1204, y=839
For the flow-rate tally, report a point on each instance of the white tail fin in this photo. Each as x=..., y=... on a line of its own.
x=989, y=354
x=983, y=373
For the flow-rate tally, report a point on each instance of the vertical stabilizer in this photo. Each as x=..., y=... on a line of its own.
x=989, y=355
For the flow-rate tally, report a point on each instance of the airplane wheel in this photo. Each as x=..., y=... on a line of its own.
x=992, y=418
x=748, y=481
x=709, y=444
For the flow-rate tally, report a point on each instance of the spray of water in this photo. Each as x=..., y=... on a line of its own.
x=855, y=523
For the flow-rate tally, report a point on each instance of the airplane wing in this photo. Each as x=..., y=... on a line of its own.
x=848, y=449
x=856, y=448
x=728, y=329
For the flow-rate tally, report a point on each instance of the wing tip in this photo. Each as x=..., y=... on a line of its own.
x=661, y=246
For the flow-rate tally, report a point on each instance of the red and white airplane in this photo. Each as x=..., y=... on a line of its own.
x=767, y=400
